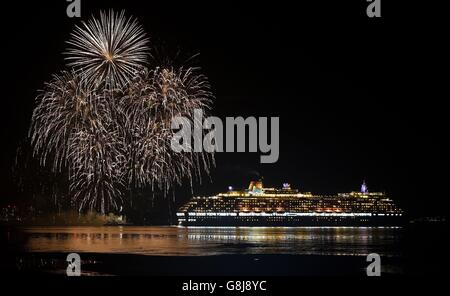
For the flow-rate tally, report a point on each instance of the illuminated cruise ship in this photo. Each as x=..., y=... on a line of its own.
x=259, y=206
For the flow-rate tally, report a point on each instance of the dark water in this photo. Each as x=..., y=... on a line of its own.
x=409, y=250
x=205, y=241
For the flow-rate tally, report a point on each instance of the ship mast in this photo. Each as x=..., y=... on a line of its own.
x=364, y=188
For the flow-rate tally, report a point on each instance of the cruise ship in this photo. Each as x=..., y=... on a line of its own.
x=259, y=206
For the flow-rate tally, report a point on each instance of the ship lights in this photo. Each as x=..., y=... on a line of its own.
x=269, y=205
x=286, y=186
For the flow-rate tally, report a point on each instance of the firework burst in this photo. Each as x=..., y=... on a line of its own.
x=108, y=50
x=72, y=127
x=153, y=99
x=64, y=106
x=107, y=121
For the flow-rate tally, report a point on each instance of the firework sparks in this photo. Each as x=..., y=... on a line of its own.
x=62, y=107
x=108, y=120
x=153, y=99
x=96, y=171
x=73, y=127
x=108, y=50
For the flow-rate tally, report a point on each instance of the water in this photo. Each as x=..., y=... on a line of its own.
x=207, y=241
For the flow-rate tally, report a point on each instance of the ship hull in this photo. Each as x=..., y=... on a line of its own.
x=293, y=221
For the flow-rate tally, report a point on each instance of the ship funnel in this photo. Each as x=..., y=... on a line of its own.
x=255, y=186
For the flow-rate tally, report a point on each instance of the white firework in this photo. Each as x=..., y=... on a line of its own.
x=152, y=100
x=107, y=121
x=73, y=128
x=108, y=50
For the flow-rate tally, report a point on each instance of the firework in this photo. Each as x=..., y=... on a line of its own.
x=96, y=171
x=153, y=99
x=107, y=122
x=72, y=127
x=108, y=50
x=62, y=107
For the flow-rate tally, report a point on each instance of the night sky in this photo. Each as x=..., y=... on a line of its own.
x=357, y=98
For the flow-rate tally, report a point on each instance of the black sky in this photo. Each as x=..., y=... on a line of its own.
x=357, y=97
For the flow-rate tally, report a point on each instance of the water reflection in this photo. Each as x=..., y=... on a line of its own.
x=203, y=241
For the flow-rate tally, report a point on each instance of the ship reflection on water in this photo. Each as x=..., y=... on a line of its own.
x=207, y=241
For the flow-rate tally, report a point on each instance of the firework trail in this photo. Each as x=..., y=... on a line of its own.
x=108, y=50
x=96, y=171
x=97, y=161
